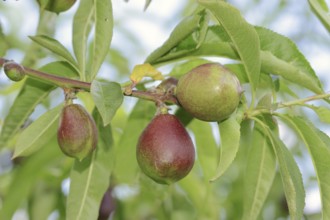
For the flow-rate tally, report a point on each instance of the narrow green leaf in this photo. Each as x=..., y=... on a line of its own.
x=259, y=174
x=28, y=173
x=320, y=8
x=103, y=34
x=90, y=178
x=108, y=97
x=180, y=32
x=82, y=24
x=317, y=144
x=243, y=36
x=126, y=166
x=56, y=47
x=38, y=133
x=32, y=93
x=230, y=138
x=291, y=178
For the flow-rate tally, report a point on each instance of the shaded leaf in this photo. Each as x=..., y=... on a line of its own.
x=318, y=144
x=103, y=34
x=90, y=178
x=323, y=113
x=108, y=97
x=259, y=174
x=230, y=138
x=242, y=35
x=38, y=133
x=56, y=47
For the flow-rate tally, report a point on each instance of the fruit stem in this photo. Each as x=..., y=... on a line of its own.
x=67, y=83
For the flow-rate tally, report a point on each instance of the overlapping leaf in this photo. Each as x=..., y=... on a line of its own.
x=320, y=8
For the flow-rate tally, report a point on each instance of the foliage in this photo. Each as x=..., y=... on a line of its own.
x=244, y=169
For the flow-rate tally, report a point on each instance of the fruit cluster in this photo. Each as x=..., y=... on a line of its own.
x=165, y=151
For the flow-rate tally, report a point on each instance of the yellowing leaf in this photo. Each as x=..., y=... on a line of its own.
x=144, y=70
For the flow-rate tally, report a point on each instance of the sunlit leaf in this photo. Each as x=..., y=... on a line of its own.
x=318, y=144
x=291, y=178
x=323, y=113
x=82, y=24
x=90, y=178
x=230, y=138
x=56, y=47
x=103, y=34
x=145, y=70
x=108, y=97
x=320, y=8
x=38, y=133
x=259, y=174
x=243, y=36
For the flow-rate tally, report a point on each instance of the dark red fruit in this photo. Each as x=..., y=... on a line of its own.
x=165, y=151
x=77, y=132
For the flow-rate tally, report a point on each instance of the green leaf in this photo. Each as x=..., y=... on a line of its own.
x=108, y=97
x=28, y=173
x=230, y=138
x=38, y=133
x=126, y=166
x=82, y=24
x=317, y=144
x=322, y=111
x=56, y=47
x=32, y=93
x=259, y=174
x=103, y=34
x=90, y=178
x=206, y=147
x=281, y=56
x=320, y=8
x=180, y=32
x=291, y=178
x=243, y=36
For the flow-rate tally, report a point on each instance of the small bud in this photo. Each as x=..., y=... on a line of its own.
x=14, y=71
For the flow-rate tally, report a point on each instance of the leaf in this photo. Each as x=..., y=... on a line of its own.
x=26, y=176
x=90, y=178
x=281, y=56
x=108, y=97
x=320, y=8
x=56, y=47
x=322, y=111
x=146, y=5
x=230, y=137
x=206, y=147
x=291, y=178
x=144, y=70
x=180, y=32
x=32, y=93
x=126, y=166
x=82, y=24
x=243, y=36
x=38, y=133
x=259, y=174
x=102, y=33
x=317, y=144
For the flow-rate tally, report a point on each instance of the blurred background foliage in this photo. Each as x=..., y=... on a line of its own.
x=136, y=34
